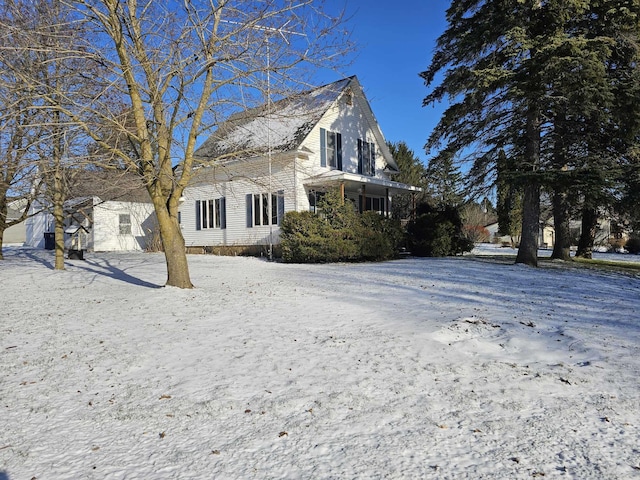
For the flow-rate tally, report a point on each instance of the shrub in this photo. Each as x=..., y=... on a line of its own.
x=380, y=238
x=437, y=232
x=633, y=245
x=477, y=233
x=338, y=233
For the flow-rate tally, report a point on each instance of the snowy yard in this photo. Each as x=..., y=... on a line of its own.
x=416, y=368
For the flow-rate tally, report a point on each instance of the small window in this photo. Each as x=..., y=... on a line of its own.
x=124, y=223
x=366, y=158
x=330, y=149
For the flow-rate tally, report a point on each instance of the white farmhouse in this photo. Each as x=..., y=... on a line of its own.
x=264, y=162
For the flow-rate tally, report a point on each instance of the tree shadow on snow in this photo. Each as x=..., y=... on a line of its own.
x=45, y=257
x=107, y=269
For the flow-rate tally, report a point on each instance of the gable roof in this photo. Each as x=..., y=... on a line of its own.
x=108, y=185
x=245, y=134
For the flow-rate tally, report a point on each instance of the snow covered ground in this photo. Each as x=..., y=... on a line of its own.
x=418, y=368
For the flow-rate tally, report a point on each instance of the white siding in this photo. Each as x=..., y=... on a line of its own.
x=235, y=180
x=234, y=184
x=353, y=123
x=37, y=225
x=106, y=226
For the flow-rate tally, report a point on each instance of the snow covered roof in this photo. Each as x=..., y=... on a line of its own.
x=251, y=132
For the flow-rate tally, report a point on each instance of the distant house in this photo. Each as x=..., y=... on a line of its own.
x=267, y=161
x=607, y=234
x=16, y=234
x=106, y=211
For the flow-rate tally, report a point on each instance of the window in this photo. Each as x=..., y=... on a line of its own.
x=211, y=214
x=330, y=149
x=263, y=209
x=376, y=204
x=366, y=158
x=314, y=200
x=124, y=223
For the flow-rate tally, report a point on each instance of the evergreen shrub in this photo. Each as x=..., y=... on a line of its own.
x=437, y=232
x=633, y=245
x=338, y=234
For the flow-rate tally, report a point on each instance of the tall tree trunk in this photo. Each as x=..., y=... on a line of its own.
x=588, y=234
x=58, y=194
x=528, y=251
x=4, y=209
x=562, y=241
x=560, y=199
x=174, y=248
x=58, y=216
x=57, y=199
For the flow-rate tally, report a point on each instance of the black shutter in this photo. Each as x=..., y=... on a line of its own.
x=323, y=147
x=339, y=150
x=360, y=162
x=198, y=218
x=280, y=206
x=223, y=212
x=249, y=210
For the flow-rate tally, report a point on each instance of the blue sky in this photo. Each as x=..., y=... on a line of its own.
x=396, y=41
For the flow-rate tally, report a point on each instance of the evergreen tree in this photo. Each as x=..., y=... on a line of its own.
x=509, y=199
x=490, y=55
x=412, y=172
x=545, y=82
x=445, y=181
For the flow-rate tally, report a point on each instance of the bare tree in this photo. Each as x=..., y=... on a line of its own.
x=19, y=134
x=181, y=68
x=52, y=69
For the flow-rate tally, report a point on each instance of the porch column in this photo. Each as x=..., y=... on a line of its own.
x=363, y=206
x=413, y=205
x=387, y=206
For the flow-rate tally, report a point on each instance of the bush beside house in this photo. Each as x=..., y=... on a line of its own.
x=338, y=234
x=437, y=232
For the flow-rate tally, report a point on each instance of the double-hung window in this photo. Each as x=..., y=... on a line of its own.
x=211, y=214
x=264, y=209
x=366, y=158
x=330, y=149
x=124, y=223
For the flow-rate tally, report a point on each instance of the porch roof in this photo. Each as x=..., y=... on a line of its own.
x=355, y=181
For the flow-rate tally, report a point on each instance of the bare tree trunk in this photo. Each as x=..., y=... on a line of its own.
x=528, y=251
x=58, y=194
x=58, y=215
x=562, y=241
x=174, y=249
x=4, y=209
x=588, y=234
